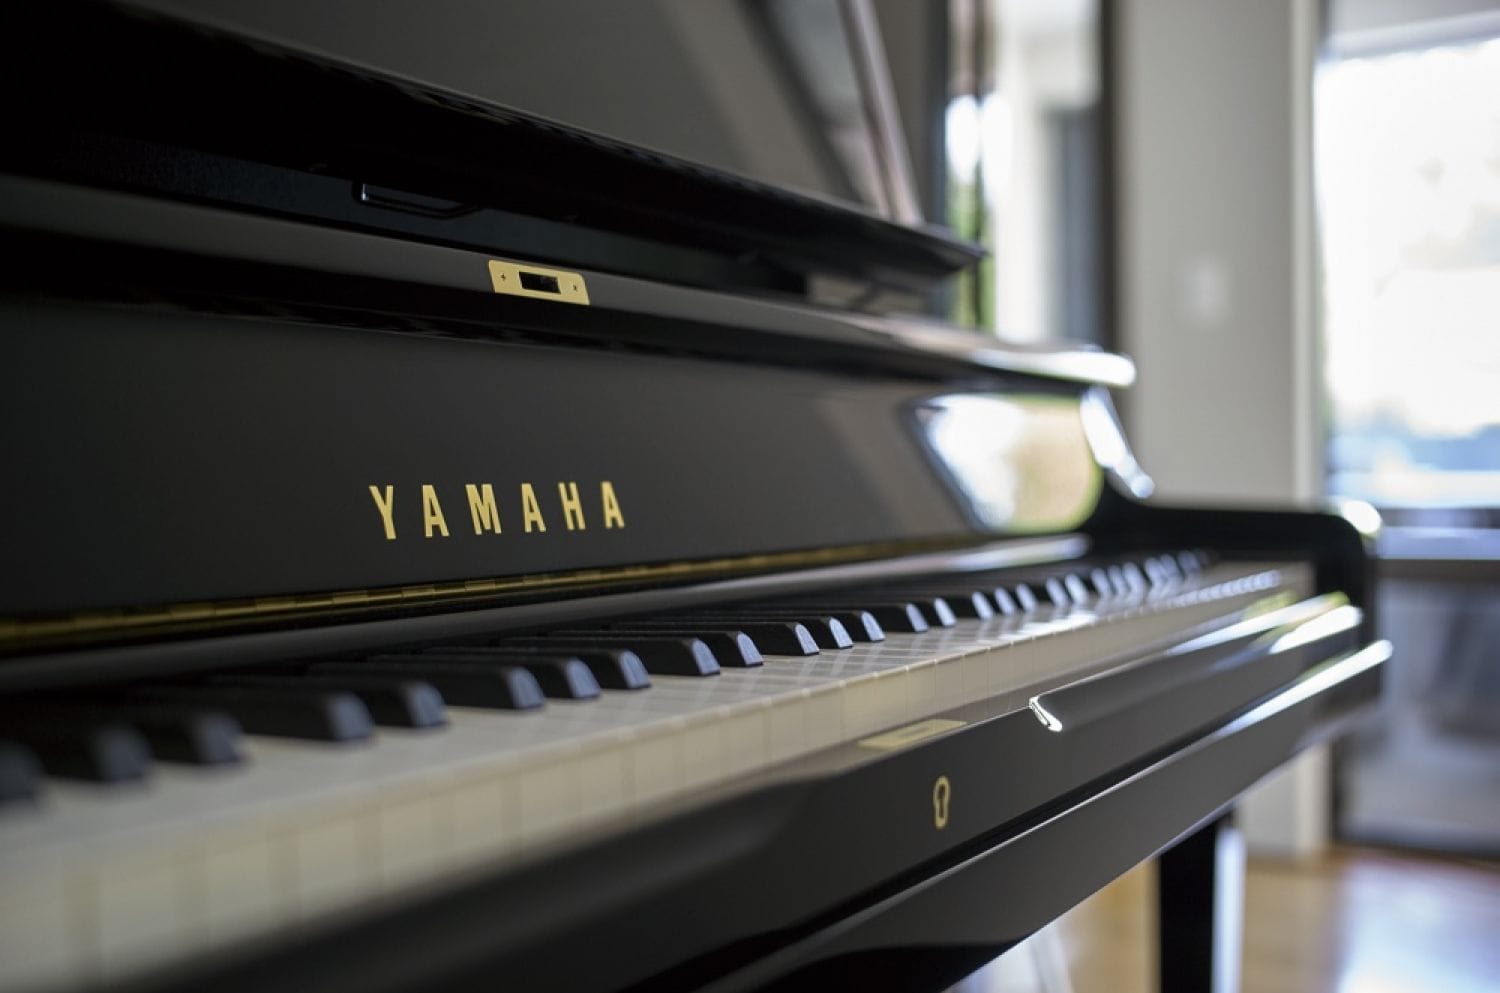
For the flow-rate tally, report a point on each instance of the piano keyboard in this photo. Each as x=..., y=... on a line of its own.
x=361, y=780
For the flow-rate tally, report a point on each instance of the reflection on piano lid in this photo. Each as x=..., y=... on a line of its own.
x=368, y=623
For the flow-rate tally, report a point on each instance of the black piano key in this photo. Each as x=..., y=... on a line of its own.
x=1057, y=592
x=731, y=646
x=857, y=625
x=20, y=773
x=309, y=713
x=1025, y=598
x=903, y=617
x=774, y=636
x=827, y=631
x=1005, y=604
x=970, y=603
x=564, y=679
x=861, y=624
x=175, y=733
x=613, y=669
x=936, y=611
x=107, y=752
x=617, y=670
x=1192, y=562
x=933, y=609
x=662, y=655
x=394, y=701
x=463, y=680
x=1119, y=581
x=1077, y=588
x=1099, y=577
x=193, y=735
x=781, y=637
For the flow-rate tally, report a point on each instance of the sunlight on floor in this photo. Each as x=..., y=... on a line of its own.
x=1357, y=921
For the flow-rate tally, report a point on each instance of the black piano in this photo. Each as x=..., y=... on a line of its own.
x=446, y=547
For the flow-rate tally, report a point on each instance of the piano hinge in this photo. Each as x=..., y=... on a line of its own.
x=521, y=280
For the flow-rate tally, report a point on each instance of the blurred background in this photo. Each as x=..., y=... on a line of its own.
x=1288, y=213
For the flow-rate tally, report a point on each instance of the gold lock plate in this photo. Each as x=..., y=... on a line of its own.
x=909, y=734
x=520, y=280
x=942, y=802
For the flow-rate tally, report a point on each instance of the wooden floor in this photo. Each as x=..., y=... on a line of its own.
x=1358, y=921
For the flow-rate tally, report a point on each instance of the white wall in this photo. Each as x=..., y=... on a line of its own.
x=1216, y=280
x=1212, y=279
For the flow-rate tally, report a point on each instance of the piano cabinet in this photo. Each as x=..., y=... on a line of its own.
x=368, y=625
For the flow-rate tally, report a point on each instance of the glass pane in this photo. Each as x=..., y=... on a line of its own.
x=1023, y=127
x=1408, y=174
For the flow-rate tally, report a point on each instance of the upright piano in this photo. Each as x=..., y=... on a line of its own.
x=448, y=548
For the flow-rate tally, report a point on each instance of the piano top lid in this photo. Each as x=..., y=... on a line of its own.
x=357, y=117
x=1082, y=363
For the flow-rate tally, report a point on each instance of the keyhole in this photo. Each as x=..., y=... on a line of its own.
x=942, y=793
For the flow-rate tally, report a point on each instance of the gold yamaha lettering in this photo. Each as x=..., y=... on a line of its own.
x=482, y=509
x=575, y=503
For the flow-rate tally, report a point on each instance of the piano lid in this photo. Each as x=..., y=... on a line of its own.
x=709, y=127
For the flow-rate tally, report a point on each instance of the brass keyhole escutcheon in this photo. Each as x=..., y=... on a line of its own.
x=942, y=796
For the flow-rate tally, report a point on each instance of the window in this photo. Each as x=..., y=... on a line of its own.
x=1023, y=128
x=1408, y=178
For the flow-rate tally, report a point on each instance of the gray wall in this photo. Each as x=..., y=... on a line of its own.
x=1216, y=283
x=1214, y=267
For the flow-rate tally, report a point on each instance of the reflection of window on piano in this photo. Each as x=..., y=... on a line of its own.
x=1023, y=462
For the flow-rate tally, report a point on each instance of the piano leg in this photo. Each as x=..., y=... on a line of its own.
x=1200, y=909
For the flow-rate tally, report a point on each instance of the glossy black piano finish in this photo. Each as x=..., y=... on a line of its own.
x=275, y=430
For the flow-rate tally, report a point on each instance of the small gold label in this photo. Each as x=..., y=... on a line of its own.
x=942, y=802
x=901, y=737
x=516, y=279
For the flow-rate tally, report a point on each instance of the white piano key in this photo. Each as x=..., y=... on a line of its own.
x=703, y=753
x=409, y=839
x=746, y=739
x=241, y=895
x=786, y=731
x=656, y=764
x=486, y=814
x=921, y=691
x=601, y=783
x=824, y=717
x=549, y=800
x=139, y=913
x=333, y=857
x=948, y=685
x=39, y=946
